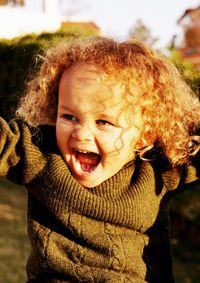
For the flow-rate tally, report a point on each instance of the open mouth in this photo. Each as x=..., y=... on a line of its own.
x=87, y=161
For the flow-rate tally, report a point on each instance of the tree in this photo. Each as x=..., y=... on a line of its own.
x=142, y=32
x=187, y=70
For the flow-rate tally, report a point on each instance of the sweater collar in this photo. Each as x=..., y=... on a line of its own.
x=112, y=201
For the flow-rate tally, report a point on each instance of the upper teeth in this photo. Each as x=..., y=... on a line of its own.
x=83, y=151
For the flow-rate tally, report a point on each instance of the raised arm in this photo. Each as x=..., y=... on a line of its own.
x=20, y=159
x=9, y=139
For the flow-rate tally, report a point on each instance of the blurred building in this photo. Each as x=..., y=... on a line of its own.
x=190, y=47
x=86, y=25
x=37, y=16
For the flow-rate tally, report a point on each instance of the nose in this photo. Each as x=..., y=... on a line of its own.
x=82, y=133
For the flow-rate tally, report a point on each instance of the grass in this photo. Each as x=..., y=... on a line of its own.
x=14, y=247
x=13, y=237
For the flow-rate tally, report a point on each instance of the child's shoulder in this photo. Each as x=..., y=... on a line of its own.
x=174, y=178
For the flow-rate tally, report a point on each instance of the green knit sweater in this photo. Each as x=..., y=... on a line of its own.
x=115, y=232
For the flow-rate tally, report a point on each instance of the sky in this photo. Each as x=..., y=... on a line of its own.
x=114, y=17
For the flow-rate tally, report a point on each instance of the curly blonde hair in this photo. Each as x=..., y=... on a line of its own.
x=170, y=110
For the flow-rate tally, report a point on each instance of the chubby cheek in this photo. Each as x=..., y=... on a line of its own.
x=62, y=138
x=111, y=144
x=108, y=142
x=123, y=144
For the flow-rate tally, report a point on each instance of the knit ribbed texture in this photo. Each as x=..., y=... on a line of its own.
x=118, y=204
x=115, y=232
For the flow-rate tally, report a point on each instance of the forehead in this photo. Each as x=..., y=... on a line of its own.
x=88, y=89
x=86, y=74
x=90, y=80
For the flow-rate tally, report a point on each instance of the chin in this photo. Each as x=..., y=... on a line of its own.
x=89, y=183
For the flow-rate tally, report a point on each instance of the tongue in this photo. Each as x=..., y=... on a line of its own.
x=88, y=161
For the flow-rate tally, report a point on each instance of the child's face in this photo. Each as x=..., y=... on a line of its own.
x=93, y=135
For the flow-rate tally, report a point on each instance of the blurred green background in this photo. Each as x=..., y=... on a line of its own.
x=17, y=60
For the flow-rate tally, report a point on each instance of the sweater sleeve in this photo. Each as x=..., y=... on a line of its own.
x=20, y=159
x=9, y=138
x=180, y=179
x=191, y=174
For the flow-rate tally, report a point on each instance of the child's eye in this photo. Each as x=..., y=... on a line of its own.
x=103, y=123
x=69, y=117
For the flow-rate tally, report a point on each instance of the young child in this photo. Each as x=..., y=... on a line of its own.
x=106, y=134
